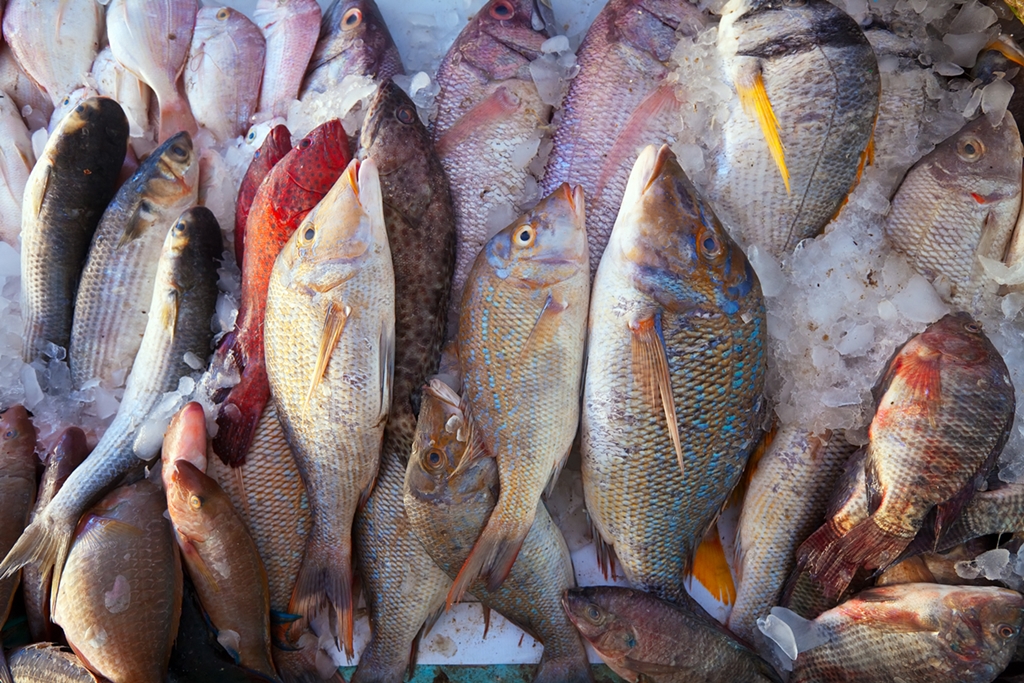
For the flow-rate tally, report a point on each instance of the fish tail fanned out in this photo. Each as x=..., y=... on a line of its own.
x=492, y=556
x=44, y=544
x=240, y=414
x=325, y=579
x=866, y=544
x=711, y=570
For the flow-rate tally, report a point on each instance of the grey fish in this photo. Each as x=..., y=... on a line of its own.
x=48, y=663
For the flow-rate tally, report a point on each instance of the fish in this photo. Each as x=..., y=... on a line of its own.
x=295, y=185
x=277, y=143
x=487, y=108
x=180, y=315
x=959, y=204
x=353, y=40
x=223, y=71
x=119, y=599
x=943, y=415
x=617, y=104
x=913, y=632
x=807, y=91
x=451, y=487
x=29, y=97
x=329, y=346
x=16, y=162
x=290, y=28
x=676, y=358
x=69, y=452
x=521, y=338
x=930, y=567
x=222, y=561
x=995, y=511
x=112, y=302
x=785, y=501
x=61, y=210
x=186, y=438
x=640, y=636
x=48, y=663
x=151, y=40
x=116, y=82
x=54, y=45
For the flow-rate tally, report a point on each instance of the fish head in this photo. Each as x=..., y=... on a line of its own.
x=175, y=170
x=505, y=36
x=360, y=38
x=981, y=626
x=393, y=126
x=17, y=441
x=593, y=611
x=192, y=497
x=982, y=161
x=194, y=236
x=545, y=246
x=91, y=110
x=326, y=148
x=70, y=104
x=958, y=338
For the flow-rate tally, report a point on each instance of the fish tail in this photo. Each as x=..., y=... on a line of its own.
x=711, y=570
x=492, y=556
x=176, y=116
x=240, y=414
x=813, y=549
x=865, y=543
x=42, y=543
x=325, y=579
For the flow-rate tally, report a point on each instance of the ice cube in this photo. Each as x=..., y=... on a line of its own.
x=995, y=97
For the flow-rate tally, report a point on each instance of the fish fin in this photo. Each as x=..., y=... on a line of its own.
x=499, y=105
x=710, y=569
x=817, y=544
x=918, y=373
x=754, y=100
x=414, y=649
x=492, y=556
x=195, y=560
x=240, y=413
x=136, y=224
x=556, y=470
x=240, y=481
x=545, y=325
x=387, y=369
x=866, y=543
x=365, y=495
x=740, y=492
x=334, y=324
x=650, y=365
x=948, y=512
x=487, y=619
x=604, y=551
x=44, y=545
x=169, y=312
x=48, y=170
x=325, y=580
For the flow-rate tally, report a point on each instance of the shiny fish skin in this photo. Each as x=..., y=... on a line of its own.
x=277, y=143
x=617, y=104
x=223, y=71
x=636, y=633
x=55, y=236
x=48, y=663
x=16, y=162
x=111, y=308
x=671, y=279
x=811, y=57
x=290, y=28
x=120, y=597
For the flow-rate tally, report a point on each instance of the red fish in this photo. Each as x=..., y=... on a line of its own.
x=277, y=143
x=295, y=185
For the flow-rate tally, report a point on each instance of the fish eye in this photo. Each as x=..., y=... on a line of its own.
x=256, y=155
x=309, y=234
x=195, y=502
x=405, y=115
x=525, y=235
x=434, y=459
x=630, y=641
x=251, y=135
x=503, y=10
x=223, y=14
x=1007, y=631
x=67, y=101
x=178, y=150
x=306, y=142
x=970, y=149
x=972, y=327
x=10, y=434
x=352, y=19
x=710, y=245
x=593, y=613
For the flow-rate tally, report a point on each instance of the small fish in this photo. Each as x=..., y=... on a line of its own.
x=65, y=196
x=290, y=28
x=16, y=162
x=47, y=663
x=277, y=143
x=638, y=635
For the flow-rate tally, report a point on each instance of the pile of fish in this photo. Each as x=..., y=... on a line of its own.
x=296, y=332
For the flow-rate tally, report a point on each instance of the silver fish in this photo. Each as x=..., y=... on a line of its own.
x=290, y=28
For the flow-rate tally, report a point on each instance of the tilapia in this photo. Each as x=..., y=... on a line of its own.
x=29, y=97
x=807, y=90
x=120, y=597
x=944, y=412
x=995, y=511
x=353, y=40
x=151, y=40
x=180, y=315
x=277, y=143
x=521, y=337
x=636, y=634
x=116, y=82
x=330, y=331
x=16, y=162
x=65, y=197
x=112, y=304
x=451, y=487
x=959, y=205
x=297, y=183
x=617, y=104
x=290, y=28
x=223, y=71
x=47, y=663
x=675, y=373
x=55, y=45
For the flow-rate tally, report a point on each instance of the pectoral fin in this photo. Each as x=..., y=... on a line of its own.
x=195, y=560
x=334, y=324
x=547, y=323
x=650, y=367
x=754, y=98
x=169, y=312
x=499, y=105
x=137, y=223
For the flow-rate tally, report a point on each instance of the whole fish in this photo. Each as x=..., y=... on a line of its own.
x=151, y=40
x=784, y=504
x=944, y=413
x=521, y=338
x=451, y=488
x=330, y=331
x=636, y=634
x=65, y=197
x=29, y=97
x=277, y=143
x=16, y=162
x=70, y=451
x=120, y=597
x=223, y=71
x=290, y=28
x=47, y=663
x=617, y=104
x=913, y=632
x=180, y=315
x=675, y=372
x=353, y=40
x=55, y=45
x=223, y=562
x=807, y=88
x=958, y=204
x=297, y=183
x=112, y=304
x=488, y=113
x=116, y=82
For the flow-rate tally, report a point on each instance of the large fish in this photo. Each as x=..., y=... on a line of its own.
x=636, y=634
x=120, y=597
x=330, y=331
x=61, y=209
x=112, y=303
x=46, y=663
x=297, y=183
x=944, y=412
x=180, y=316
x=807, y=88
x=16, y=162
x=277, y=143
x=290, y=27
x=617, y=104
x=521, y=337
x=450, y=490
x=675, y=372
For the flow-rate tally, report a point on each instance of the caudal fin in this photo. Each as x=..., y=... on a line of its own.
x=240, y=414
x=325, y=580
x=492, y=556
x=866, y=544
x=176, y=116
x=44, y=544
